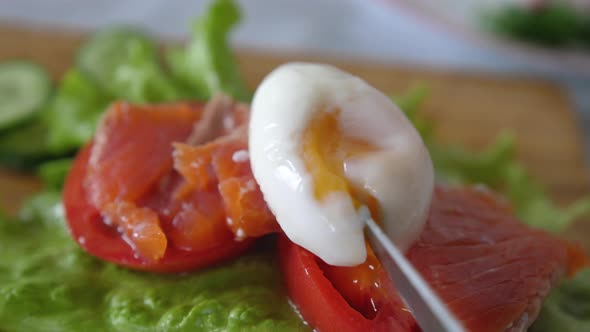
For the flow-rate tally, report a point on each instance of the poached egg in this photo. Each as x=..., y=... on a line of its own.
x=330, y=151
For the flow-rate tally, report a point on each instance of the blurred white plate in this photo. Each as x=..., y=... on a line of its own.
x=463, y=18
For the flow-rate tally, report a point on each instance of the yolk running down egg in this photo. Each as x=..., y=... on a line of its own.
x=329, y=151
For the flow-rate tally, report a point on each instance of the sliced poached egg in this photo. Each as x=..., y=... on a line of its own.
x=329, y=151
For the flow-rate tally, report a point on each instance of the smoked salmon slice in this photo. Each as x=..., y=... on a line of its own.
x=225, y=162
x=198, y=220
x=131, y=152
x=133, y=176
x=133, y=146
x=139, y=226
x=490, y=269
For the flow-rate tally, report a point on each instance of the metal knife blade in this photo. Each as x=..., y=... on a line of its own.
x=429, y=311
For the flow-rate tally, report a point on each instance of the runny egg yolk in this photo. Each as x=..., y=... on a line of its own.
x=325, y=148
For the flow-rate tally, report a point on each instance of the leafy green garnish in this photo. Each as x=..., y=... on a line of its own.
x=45, y=207
x=207, y=64
x=25, y=146
x=109, y=49
x=121, y=63
x=552, y=23
x=73, y=113
x=53, y=173
x=47, y=283
x=496, y=167
x=410, y=103
x=141, y=79
x=567, y=308
x=124, y=64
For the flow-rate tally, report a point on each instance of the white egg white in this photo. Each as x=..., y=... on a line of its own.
x=399, y=173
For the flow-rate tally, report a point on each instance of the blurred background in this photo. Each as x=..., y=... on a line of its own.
x=466, y=35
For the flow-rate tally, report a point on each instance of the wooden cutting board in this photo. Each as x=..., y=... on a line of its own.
x=470, y=109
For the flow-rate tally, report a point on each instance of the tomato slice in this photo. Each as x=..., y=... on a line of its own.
x=89, y=229
x=365, y=287
x=334, y=299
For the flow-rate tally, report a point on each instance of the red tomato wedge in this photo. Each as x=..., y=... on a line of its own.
x=490, y=269
x=340, y=299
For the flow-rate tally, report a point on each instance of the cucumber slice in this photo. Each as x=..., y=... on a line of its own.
x=101, y=55
x=24, y=88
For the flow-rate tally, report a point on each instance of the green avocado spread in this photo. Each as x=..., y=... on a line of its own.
x=48, y=284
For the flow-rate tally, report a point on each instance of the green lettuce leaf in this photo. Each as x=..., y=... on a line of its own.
x=141, y=79
x=207, y=64
x=124, y=63
x=567, y=308
x=45, y=207
x=53, y=173
x=73, y=113
x=497, y=167
x=25, y=146
x=47, y=283
x=410, y=103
